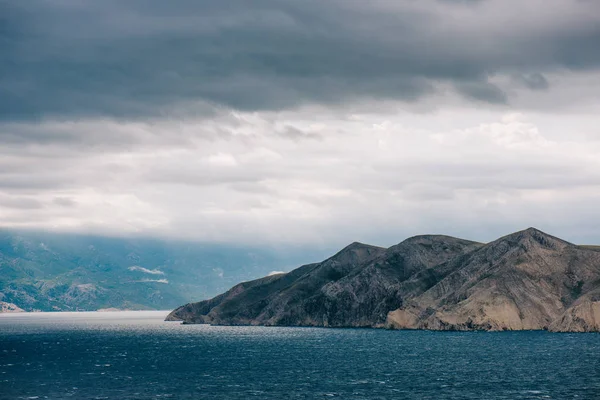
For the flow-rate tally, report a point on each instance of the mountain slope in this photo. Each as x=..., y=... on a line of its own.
x=356, y=287
x=67, y=272
x=526, y=280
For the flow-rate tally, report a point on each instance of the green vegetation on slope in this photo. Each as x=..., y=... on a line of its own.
x=49, y=271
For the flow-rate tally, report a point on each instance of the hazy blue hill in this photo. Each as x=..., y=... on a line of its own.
x=50, y=271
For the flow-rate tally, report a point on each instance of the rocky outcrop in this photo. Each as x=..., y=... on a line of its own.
x=582, y=316
x=528, y=280
x=9, y=308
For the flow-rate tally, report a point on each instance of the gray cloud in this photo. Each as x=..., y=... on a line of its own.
x=296, y=134
x=65, y=59
x=482, y=91
x=23, y=203
x=534, y=81
x=64, y=202
x=462, y=2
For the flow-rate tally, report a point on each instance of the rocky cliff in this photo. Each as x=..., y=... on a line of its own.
x=526, y=280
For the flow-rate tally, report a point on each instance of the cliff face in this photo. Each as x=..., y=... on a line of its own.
x=527, y=280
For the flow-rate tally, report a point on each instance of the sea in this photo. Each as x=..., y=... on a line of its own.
x=136, y=355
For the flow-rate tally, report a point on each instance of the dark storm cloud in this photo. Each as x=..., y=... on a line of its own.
x=483, y=91
x=535, y=81
x=66, y=58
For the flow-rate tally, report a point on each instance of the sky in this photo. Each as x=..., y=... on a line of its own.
x=301, y=121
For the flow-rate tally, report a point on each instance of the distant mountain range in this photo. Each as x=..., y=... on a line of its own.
x=69, y=272
x=528, y=280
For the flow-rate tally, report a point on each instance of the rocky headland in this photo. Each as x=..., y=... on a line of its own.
x=527, y=280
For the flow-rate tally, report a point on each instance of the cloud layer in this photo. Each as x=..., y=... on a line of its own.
x=339, y=176
x=149, y=59
x=287, y=121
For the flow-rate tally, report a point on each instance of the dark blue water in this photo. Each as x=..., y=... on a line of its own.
x=137, y=356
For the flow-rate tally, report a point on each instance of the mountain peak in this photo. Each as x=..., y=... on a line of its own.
x=441, y=243
x=535, y=237
x=533, y=231
x=356, y=245
x=356, y=251
x=430, y=238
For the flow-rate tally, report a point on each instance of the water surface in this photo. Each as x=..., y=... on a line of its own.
x=135, y=355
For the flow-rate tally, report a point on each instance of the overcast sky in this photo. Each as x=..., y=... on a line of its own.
x=280, y=121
